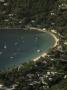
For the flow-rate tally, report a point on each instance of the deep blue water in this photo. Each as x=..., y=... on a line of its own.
x=17, y=46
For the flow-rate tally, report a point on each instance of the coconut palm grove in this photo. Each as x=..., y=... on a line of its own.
x=33, y=44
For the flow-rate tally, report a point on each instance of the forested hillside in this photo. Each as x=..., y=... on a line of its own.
x=50, y=72
x=47, y=13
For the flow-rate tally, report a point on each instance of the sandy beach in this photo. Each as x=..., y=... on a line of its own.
x=55, y=44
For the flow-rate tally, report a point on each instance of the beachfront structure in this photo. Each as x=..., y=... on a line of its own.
x=65, y=42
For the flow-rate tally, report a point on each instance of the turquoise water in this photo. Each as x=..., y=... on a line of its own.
x=18, y=46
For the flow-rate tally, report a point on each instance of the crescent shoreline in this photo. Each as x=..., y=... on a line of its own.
x=54, y=45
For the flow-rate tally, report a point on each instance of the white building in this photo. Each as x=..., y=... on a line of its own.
x=1, y=0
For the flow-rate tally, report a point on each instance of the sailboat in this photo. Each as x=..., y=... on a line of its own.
x=5, y=46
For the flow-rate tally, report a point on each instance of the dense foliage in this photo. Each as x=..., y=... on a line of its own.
x=48, y=73
x=17, y=13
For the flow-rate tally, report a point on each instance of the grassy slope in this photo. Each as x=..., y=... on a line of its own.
x=60, y=86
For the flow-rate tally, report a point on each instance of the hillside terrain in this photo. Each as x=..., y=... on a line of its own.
x=49, y=73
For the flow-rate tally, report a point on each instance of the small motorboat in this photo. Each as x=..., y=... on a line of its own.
x=38, y=50
x=11, y=57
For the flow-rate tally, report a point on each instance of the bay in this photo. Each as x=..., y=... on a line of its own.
x=19, y=46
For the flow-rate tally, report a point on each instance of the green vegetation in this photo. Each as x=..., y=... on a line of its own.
x=19, y=13
x=61, y=86
x=49, y=73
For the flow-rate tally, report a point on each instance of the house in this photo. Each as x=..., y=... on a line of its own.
x=63, y=6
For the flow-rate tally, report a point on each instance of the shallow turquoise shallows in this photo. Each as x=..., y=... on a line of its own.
x=18, y=46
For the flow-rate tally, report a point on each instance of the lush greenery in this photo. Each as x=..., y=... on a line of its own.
x=18, y=13
x=49, y=73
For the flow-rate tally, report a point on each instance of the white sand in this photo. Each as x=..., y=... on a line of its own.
x=55, y=44
x=37, y=58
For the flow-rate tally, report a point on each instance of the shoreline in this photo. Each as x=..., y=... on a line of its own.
x=46, y=52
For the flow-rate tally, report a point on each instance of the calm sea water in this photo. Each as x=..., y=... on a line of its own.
x=18, y=46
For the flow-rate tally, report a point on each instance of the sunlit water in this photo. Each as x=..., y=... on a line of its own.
x=18, y=46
